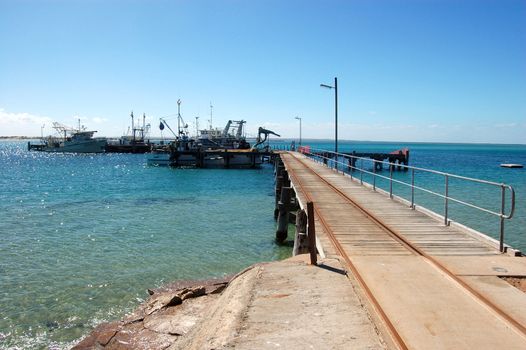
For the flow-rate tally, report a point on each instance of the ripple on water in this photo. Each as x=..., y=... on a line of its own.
x=89, y=234
x=84, y=236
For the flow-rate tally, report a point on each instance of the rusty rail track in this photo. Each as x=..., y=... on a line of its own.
x=405, y=243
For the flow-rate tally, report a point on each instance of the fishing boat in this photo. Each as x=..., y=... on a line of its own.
x=135, y=140
x=212, y=148
x=70, y=140
x=232, y=136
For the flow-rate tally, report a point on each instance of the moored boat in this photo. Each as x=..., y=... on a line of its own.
x=212, y=148
x=70, y=140
x=134, y=142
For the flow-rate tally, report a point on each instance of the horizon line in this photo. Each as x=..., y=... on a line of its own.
x=19, y=137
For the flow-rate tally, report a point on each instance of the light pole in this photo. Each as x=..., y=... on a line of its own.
x=335, y=87
x=300, y=127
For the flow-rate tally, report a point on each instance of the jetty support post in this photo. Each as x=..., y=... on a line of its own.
x=286, y=179
x=282, y=180
x=279, y=186
x=279, y=168
x=283, y=215
x=311, y=234
x=301, y=243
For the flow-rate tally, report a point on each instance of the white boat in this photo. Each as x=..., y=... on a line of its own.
x=71, y=140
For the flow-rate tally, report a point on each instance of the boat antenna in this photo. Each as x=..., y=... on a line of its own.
x=196, y=126
x=143, y=125
x=211, y=107
x=132, y=127
x=178, y=118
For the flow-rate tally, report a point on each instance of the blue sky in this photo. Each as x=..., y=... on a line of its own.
x=450, y=71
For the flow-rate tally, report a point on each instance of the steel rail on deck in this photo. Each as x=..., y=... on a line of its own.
x=447, y=198
x=409, y=245
x=391, y=328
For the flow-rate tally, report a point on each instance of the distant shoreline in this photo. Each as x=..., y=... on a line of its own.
x=19, y=137
x=284, y=140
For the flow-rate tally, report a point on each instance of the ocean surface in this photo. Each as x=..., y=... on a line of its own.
x=82, y=237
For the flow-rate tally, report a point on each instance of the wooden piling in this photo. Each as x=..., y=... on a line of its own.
x=277, y=192
x=286, y=179
x=283, y=215
x=311, y=233
x=301, y=243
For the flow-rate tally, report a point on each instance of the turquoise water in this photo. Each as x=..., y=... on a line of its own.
x=83, y=236
x=480, y=161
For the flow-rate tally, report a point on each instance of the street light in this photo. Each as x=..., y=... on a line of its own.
x=335, y=87
x=300, y=127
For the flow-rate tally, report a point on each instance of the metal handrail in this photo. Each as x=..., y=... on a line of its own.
x=502, y=214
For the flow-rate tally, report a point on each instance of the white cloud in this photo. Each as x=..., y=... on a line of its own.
x=22, y=119
x=98, y=120
x=506, y=125
x=22, y=124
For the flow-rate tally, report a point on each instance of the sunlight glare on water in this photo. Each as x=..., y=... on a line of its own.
x=84, y=236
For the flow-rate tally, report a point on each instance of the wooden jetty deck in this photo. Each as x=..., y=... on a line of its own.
x=430, y=286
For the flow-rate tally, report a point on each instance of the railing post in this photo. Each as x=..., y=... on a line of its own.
x=374, y=175
x=361, y=171
x=412, y=188
x=391, y=180
x=502, y=207
x=311, y=233
x=446, y=200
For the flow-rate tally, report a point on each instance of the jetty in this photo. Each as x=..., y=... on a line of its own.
x=429, y=282
x=371, y=270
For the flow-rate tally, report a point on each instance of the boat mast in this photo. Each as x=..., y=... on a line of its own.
x=211, y=107
x=143, y=125
x=179, y=118
x=133, y=127
x=196, y=127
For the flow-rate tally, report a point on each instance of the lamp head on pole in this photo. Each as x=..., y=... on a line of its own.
x=326, y=86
